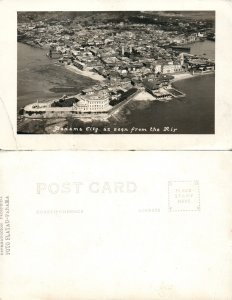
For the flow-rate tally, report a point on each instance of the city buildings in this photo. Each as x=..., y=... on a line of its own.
x=128, y=50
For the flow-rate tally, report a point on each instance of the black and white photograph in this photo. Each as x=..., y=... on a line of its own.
x=115, y=72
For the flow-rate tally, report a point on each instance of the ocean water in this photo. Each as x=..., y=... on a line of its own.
x=39, y=77
x=201, y=48
x=192, y=114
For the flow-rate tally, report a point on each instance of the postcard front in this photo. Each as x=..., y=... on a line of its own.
x=136, y=78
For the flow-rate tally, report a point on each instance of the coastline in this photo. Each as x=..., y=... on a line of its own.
x=85, y=73
x=100, y=78
x=34, y=45
x=143, y=95
x=183, y=76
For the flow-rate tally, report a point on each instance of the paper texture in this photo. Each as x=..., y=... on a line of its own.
x=122, y=224
x=219, y=136
x=126, y=225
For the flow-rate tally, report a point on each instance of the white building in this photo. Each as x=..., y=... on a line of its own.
x=158, y=68
x=94, y=102
x=171, y=68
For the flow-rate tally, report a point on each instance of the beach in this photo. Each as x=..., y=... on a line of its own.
x=85, y=73
x=182, y=76
x=143, y=95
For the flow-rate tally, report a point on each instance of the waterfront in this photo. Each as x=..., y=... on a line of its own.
x=193, y=114
x=41, y=78
x=205, y=47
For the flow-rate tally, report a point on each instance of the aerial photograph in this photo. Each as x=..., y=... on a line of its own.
x=116, y=72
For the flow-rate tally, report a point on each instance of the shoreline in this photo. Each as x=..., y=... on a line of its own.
x=84, y=73
x=100, y=78
x=183, y=76
x=34, y=45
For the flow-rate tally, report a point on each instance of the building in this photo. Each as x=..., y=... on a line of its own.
x=171, y=68
x=93, y=101
x=79, y=65
x=158, y=68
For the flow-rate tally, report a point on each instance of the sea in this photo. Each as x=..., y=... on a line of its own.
x=42, y=78
x=200, y=48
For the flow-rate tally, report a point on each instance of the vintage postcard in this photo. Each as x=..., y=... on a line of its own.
x=137, y=76
x=121, y=81
x=159, y=228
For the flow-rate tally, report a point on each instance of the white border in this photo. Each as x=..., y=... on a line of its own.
x=8, y=83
